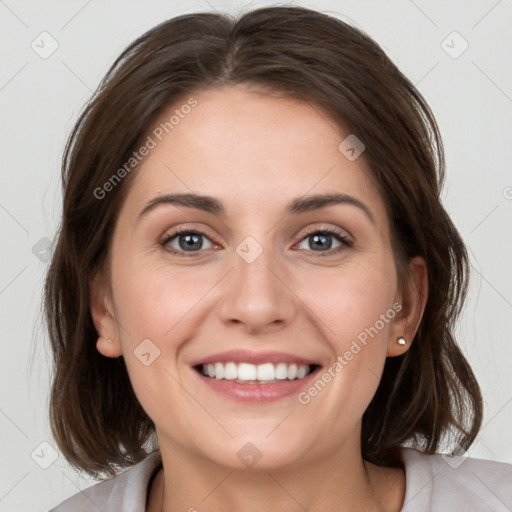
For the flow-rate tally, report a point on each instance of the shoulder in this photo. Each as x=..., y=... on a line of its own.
x=443, y=482
x=124, y=493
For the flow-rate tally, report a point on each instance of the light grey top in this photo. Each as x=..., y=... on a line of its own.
x=433, y=483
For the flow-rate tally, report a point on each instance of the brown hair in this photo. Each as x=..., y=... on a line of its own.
x=428, y=392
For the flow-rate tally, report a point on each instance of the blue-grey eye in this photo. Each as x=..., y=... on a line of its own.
x=323, y=241
x=188, y=241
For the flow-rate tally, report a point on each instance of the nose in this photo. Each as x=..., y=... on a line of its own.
x=256, y=295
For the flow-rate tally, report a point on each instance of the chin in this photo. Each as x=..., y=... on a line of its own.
x=255, y=453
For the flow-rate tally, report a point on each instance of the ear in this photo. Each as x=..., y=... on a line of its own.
x=102, y=313
x=413, y=299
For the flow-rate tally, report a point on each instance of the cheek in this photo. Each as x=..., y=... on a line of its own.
x=164, y=305
x=351, y=300
x=343, y=390
x=354, y=309
x=153, y=299
x=157, y=304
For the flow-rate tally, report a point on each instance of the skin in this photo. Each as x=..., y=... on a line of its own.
x=255, y=153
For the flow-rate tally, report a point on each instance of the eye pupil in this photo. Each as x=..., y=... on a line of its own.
x=320, y=240
x=193, y=241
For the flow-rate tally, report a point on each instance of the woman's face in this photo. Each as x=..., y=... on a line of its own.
x=254, y=280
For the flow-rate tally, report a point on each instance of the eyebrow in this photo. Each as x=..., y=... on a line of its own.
x=295, y=207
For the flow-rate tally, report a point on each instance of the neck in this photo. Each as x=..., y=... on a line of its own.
x=339, y=481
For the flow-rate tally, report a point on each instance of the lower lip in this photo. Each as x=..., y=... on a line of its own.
x=257, y=392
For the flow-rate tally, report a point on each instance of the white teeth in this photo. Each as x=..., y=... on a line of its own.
x=219, y=371
x=301, y=372
x=281, y=371
x=292, y=371
x=230, y=371
x=246, y=371
x=266, y=372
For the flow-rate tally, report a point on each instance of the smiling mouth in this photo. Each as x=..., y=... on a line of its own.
x=246, y=373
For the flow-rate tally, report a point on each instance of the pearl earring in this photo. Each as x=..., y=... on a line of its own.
x=401, y=340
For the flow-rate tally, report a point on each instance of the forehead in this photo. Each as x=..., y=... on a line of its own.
x=252, y=151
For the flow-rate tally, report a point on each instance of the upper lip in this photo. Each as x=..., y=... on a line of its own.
x=251, y=357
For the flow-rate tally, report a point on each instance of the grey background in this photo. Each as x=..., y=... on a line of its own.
x=40, y=99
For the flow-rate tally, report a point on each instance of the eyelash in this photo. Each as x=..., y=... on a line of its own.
x=345, y=242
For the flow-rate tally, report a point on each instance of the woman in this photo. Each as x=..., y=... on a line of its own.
x=252, y=299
